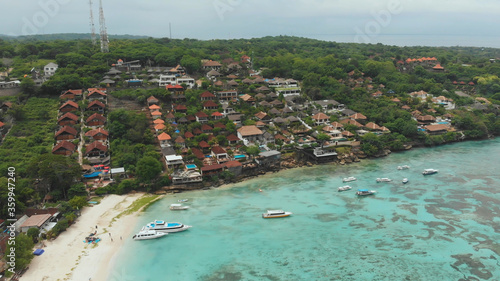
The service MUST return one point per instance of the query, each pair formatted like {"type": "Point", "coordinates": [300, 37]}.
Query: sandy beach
{"type": "Point", "coordinates": [69, 258]}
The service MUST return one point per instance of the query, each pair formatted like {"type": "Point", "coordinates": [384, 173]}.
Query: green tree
{"type": "Point", "coordinates": [28, 86]}
{"type": "Point", "coordinates": [33, 233]}
{"type": "Point", "coordinates": [56, 173]}
{"type": "Point", "coordinates": [148, 168]}
{"type": "Point", "coordinates": [253, 150]}
{"type": "Point", "coordinates": [78, 189]}
{"type": "Point", "coordinates": [322, 138]}
{"type": "Point", "coordinates": [78, 202]}
{"type": "Point", "coordinates": [23, 250]}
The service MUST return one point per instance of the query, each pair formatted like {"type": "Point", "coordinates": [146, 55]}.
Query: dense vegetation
{"type": "Point", "coordinates": [322, 67]}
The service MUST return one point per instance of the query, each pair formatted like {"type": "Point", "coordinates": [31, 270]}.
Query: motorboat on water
{"type": "Point", "coordinates": [429, 171]}
{"type": "Point", "coordinates": [405, 181]}
{"type": "Point", "coordinates": [162, 226]}
{"type": "Point", "coordinates": [146, 234]}
{"type": "Point", "coordinates": [365, 192]}
{"type": "Point", "coordinates": [344, 188]}
{"type": "Point", "coordinates": [384, 180]}
{"type": "Point", "coordinates": [348, 179]}
{"type": "Point", "coordinates": [178, 207]}
{"type": "Point", "coordinates": [404, 167]}
{"type": "Point", "coordinates": [275, 214]}
{"type": "Point", "coordinates": [182, 200]}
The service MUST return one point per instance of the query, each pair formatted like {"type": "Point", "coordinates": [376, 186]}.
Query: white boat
{"type": "Point", "coordinates": [178, 207]}
{"type": "Point", "coordinates": [182, 200]}
{"type": "Point", "coordinates": [344, 188]}
{"type": "Point", "coordinates": [429, 171]}
{"type": "Point", "coordinates": [162, 226]}
{"type": "Point", "coordinates": [365, 192]}
{"type": "Point", "coordinates": [384, 180]}
{"type": "Point", "coordinates": [405, 181]}
{"type": "Point", "coordinates": [146, 234]}
{"type": "Point", "coordinates": [275, 214]}
{"type": "Point", "coordinates": [348, 179]}
{"type": "Point", "coordinates": [404, 167]}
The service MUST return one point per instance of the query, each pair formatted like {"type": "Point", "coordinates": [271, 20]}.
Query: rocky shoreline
{"type": "Point", "coordinates": [290, 162]}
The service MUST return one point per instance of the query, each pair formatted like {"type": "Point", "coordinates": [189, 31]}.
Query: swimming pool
{"type": "Point", "coordinates": [240, 156]}
{"type": "Point", "coordinates": [191, 166]}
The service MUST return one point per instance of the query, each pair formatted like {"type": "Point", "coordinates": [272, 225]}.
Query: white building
{"type": "Point", "coordinates": [172, 160]}
{"type": "Point", "coordinates": [176, 80]}
{"type": "Point", "coordinates": [50, 69]}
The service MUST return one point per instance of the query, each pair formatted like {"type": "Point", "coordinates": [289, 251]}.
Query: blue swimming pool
{"type": "Point", "coordinates": [93, 175]}
{"type": "Point", "coordinates": [444, 123]}
{"type": "Point", "coordinates": [240, 156]}
{"type": "Point", "coordinates": [191, 166]}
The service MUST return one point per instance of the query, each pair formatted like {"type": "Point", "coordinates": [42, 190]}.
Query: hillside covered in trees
{"type": "Point", "coordinates": [325, 71]}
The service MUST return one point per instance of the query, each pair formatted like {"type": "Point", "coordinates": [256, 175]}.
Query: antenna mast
{"type": "Point", "coordinates": [104, 34]}
{"type": "Point", "coordinates": [92, 27]}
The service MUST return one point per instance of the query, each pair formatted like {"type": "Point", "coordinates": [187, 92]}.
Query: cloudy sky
{"type": "Point", "coordinates": [364, 21]}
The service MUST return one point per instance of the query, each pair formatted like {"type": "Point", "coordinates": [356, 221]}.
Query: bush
{"type": "Point", "coordinates": [60, 226]}
{"type": "Point", "coordinates": [33, 233]}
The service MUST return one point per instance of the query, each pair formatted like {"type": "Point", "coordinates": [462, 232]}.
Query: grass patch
{"type": "Point", "coordinates": [140, 204]}
{"type": "Point", "coordinates": [343, 149]}
{"type": "Point", "coordinates": [31, 136]}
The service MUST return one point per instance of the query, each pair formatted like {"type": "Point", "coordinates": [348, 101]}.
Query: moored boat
{"type": "Point", "coordinates": [365, 192]}
{"type": "Point", "coordinates": [275, 214]}
{"type": "Point", "coordinates": [344, 188]}
{"type": "Point", "coordinates": [404, 167]}
{"type": "Point", "coordinates": [405, 181]}
{"type": "Point", "coordinates": [162, 226]}
{"type": "Point", "coordinates": [384, 180]}
{"type": "Point", "coordinates": [429, 171]}
{"type": "Point", "coordinates": [146, 234]}
{"type": "Point", "coordinates": [178, 207]}
{"type": "Point", "coordinates": [182, 200]}
{"type": "Point", "coordinates": [348, 179]}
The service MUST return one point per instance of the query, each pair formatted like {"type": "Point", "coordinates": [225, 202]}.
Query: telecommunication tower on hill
{"type": "Point", "coordinates": [92, 27]}
{"type": "Point", "coordinates": [104, 34]}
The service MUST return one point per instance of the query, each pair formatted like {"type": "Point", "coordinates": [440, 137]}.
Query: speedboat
{"type": "Point", "coordinates": [182, 200]}
{"type": "Point", "coordinates": [348, 179]}
{"type": "Point", "coordinates": [178, 207]}
{"type": "Point", "coordinates": [384, 180]}
{"type": "Point", "coordinates": [344, 188]}
{"type": "Point", "coordinates": [365, 192]}
{"type": "Point", "coordinates": [146, 234]}
{"type": "Point", "coordinates": [275, 214]}
{"type": "Point", "coordinates": [429, 171]}
{"type": "Point", "coordinates": [405, 181]}
{"type": "Point", "coordinates": [404, 167]}
{"type": "Point", "coordinates": [162, 226]}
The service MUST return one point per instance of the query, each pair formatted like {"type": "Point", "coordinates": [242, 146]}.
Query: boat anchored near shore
{"type": "Point", "coordinates": [178, 207]}
{"type": "Point", "coordinates": [348, 179]}
{"type": "Point", "coordinates": [404, 167]}
{"type": "Point", "coordinates": [384, 180]}
{"type": "Point", "coordinates": [275, 214]}
{"type": "Point", "coordinates": [146, 234]}
{"type": "Point", "coordinates": [429, 171]}
{"type": "Point", "coordinates": [162, 226]}
{"type": "Point", "coordinates": [344, 188]}
{"type": "Point", "coordinates": [365, 192]}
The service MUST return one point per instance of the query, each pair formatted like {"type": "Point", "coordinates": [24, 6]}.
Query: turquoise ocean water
{"type": "Point", "coordinates": [444, 226]}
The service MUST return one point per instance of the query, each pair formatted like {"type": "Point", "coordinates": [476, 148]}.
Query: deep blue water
{"type": "Point", "coordinates": [444, 226]}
